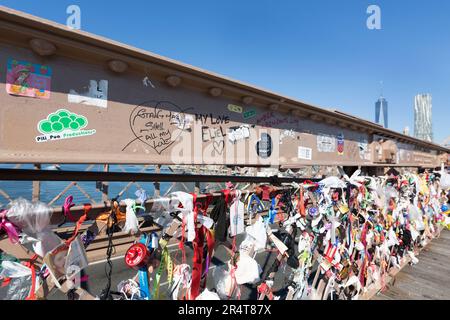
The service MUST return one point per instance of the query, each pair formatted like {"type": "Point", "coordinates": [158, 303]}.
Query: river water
{"type": "Point", "coordinates": [49, 190]}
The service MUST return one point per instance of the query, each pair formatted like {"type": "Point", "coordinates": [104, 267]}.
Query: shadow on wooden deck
{"type": "Point", "coordinates": [429, 279]}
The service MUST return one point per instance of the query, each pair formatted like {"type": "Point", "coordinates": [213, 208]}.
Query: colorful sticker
{"type": "Point", "coordinates": [249, 114]}
{"type": "Point", "coordinates": [28, 80]}
{"type": "Point", "coordinates": [304, 153]}
{"type": "Point", "coordinates": [340, 144]}
{"type": "Point", "coordinates": [63, 124]}
{"type": "Point", "coordinates": [235, 108]}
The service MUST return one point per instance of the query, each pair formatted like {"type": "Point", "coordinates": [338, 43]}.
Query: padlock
{"type": "Point", "coordinates": [137, 256]}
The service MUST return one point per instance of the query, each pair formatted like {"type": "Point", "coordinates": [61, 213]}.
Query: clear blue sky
{"type": "Point", "coordinates": [319, 51]}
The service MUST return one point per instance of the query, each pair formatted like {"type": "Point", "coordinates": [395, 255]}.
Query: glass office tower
{"type": "Point", "coordinates": [381, 105]}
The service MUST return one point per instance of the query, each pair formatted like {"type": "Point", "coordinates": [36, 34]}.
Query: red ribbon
{"type": "Point", "coordinates": [87, 208]}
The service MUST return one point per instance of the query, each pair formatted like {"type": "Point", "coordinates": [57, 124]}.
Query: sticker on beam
{"type": "Point", "coordinates": [61, 125]}
{"type": "Point", "coordinates": [340, 144]}
{"type": "Point", "coordinates": [326, 143]}
{"type": "Point", "coordinates": [235, 108]}
{"type": "Point", "coordinates": [236, 134]}
{"type": "Point", "coordinates": [304, 153]}
{"type": "Point", "coordinates": [96, 94]}
{"type": "Point", "coordinates": [249, 114]}
{"type": "Point", "coordinates": [264, 146]}
{"type": "Point", "coordinates": [28, 79]}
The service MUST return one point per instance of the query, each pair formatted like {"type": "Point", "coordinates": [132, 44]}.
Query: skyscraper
{"type": "Point", "coordinates": [381, 105]}
{"type": "Point", "coordinates": [423, 128]}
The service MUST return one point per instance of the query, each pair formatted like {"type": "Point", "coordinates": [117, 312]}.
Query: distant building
{"type": "Point", "coordinates": [423, 128]}
{"type": "Point", "coordinates": [446, 142]}
{"type": "Point", "coordinates": [381, 106]}
{"type": "Point", "coordinates": [406, 131]}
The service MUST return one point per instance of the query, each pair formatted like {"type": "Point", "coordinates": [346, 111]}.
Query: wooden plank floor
{"type": "Point", "coordinates": [427, 280]}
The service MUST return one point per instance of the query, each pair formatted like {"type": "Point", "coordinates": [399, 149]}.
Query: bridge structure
{"type": "Point", "coordinates": [71, 97]}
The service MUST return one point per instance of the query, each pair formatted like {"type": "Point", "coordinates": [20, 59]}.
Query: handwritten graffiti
{"type": "Point", "coordinates": [153, 124]}
{"type": "Point", "coordinates": [272, 119]}
{"type": "Point", "coordinates": [287, 133]}
{"type": "Point", "coordinates": [212, 130]}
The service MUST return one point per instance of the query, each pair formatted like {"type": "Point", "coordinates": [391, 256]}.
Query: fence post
{"type": "Point", "coordinates": [36, 191]}
{"type": "Point", "coordinates": [105, 185]}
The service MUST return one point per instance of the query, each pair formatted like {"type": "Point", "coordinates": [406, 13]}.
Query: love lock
{"type": "Point", "coordinates": [137, 256]}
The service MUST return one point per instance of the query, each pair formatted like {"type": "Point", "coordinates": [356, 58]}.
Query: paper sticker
{"type": "Point", "coordinates": [235, 108]}
{"type": "Point", "coordinates": [236, 134]}
{"type": "Point", "coordinates": [96, 94]}
{"type": "Point", "coordinates": [364, 149]}
{"type": "Point", "coordinates": [304, 153]}
{"type": "Point", "coordinates": [28, 80]}
{"type": "Point", "coordinates": [264, 146]}
{"type": "Point", "coordinates": [249, 114]}
{"type": "Point", "coordinates": [340, 144]}
{"type": "Point", "coordinates": [326, 143]}
{"type": "Point", "coordinates": [63, 124]}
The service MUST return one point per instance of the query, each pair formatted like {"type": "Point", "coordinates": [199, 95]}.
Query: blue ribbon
{"type": "Point", "coordinates": [143, 272]}
{"type": "Point", "coordinates": [272, 213]}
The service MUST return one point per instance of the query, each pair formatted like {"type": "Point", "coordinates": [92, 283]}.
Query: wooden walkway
{"type": "Point", "coordinates": [427, 280]}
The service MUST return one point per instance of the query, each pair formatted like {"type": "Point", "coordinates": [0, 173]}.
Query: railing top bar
{"type": "Point", "coordinates": [45, 175]}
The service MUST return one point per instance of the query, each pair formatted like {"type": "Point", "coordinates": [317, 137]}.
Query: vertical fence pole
{"type": "Point", "coordinates": [105, 185]}
{"type": "Point", "coordinates": [157, 185]}
{"type": "Point", "coordinates": [36, 191]}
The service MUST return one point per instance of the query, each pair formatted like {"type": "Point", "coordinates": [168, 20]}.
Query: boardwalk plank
{"type": "Point", "coordinates": [429, 279]}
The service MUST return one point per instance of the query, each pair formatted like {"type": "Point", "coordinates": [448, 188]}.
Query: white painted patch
{"type": "Point", "coordinates": [304, 153]}
{"type": "Point", "coordinates": [96, 95]}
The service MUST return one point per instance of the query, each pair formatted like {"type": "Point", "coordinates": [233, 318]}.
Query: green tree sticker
{"type": "Point", "coordinates": [62, 120]}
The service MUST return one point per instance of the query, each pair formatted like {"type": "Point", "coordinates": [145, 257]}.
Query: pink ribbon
{"type": "Point", "coordinates": [10, 229]}
{"type": "Point", "coordinates": [68, 203]}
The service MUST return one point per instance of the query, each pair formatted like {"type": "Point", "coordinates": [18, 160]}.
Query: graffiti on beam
{"type": "Point", "coordinates": [271, 119]}
{"type": "Point", "coordinates": [287, 134]}
{"type": "Point", "coordinates": [154, 124]}
{"type": "Point", "coordinates": [213, 129]}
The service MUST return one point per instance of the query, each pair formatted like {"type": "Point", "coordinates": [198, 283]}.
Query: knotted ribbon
{"type": "Point", "coordinates": [10, 229]}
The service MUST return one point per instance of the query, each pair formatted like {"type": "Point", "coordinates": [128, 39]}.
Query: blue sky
{"type": "Point", "coordinates": [319, 51]}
